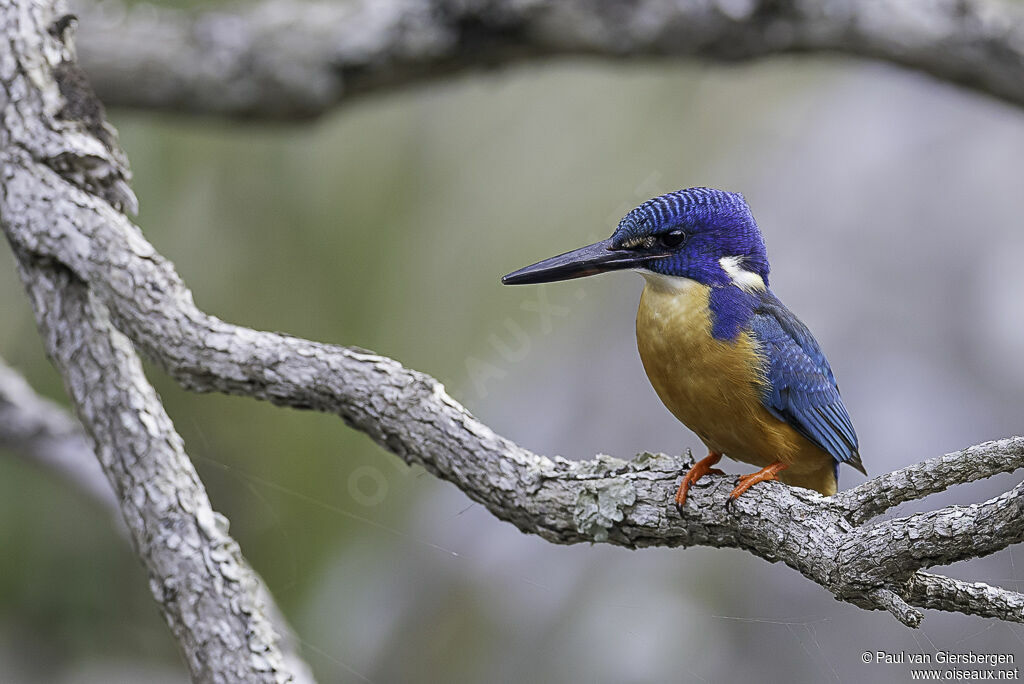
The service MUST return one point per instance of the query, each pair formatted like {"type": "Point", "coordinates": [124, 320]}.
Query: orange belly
{"type": "Point", "coordinates": [714, 386]}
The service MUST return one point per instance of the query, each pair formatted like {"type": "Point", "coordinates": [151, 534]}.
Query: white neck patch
{"type": "Point", "coordinates": [748, 281]}
{"type": "Point", "coordinates": [667, 283]}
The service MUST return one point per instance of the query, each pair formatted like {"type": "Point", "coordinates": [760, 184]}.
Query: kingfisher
{"type": "Point", "coordinates": [724, 354]}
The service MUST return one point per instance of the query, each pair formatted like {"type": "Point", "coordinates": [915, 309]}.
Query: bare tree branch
{"type": "Point", "coordinates": [201, 582]}
{"type": "Point", "coordinates": [284, 59]}
{"type": "Point", "coordinates": [878, 495]}
{"type": "Point", "coordinates": [72, 240]}
{"type": "Point", "coordinates": [974, 598]}
{"type": "Point", "coordinates": [45, 434]}
{"type": "Point", "coordinates": [953, 533]}
{"type": "Point", "coordinates": [206, 591]}
{"type": "Point", "coordinates": [891, 601]}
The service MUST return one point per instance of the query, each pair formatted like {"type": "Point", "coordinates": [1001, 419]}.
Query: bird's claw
{"type": "Point", "coordinates": [745, 482]}
{"type": "Point", "coordinates": [699, 470]}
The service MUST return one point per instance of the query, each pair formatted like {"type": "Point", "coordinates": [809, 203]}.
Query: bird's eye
{"type": "Point", "coordinates": [672, 239]}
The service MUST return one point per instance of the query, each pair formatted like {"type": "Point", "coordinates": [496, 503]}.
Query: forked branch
{"type": "Point", "coordinates": [90, 271]}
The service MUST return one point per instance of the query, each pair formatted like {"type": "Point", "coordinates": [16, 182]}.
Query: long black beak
{"type": "Point", "coordinates": [599, 257]}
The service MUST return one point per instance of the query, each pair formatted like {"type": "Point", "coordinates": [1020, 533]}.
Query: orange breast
{"type": "Point", "coordinates": [713, 386]}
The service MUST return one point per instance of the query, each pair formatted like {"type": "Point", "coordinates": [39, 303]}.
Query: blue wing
{"type": "Point", "coordinates": [801, 388]}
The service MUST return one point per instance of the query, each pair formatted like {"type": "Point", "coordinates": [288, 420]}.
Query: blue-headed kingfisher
{"type": "Point", "coordinates": [726, 357]}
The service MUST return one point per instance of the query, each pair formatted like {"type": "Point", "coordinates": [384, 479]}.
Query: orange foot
{"type": "Point", "coordinates": [700, 469]}
{"type": "Point", "coordinates": [765, 474]}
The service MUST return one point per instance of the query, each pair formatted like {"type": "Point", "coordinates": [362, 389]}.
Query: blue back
{"type": "Point", "coordinates": [801, 389]}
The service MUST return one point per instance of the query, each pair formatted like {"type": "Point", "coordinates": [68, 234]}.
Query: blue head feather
{"type": "Point", "coordinates": [716, 223]}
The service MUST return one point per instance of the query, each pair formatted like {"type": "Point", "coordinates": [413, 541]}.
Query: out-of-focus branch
{"type": "Point", "coordinates": [289, 59]}
{"type": "Point", "coordinates": [45, 434]}
{"type": "Point", "coordinates": [70, 235]}
{"type": "Point", "coordinates": [53, 129]}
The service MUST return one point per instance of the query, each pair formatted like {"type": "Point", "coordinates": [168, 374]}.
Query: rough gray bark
{"type": "Point", "coordinates": [53, 127]}
{"type": "Point", "coordinates": [206, 591]}
{"type": "Point", "coordinates": [929, 477]}
{"type": "Point", "coordinates": [45, 434]}
{"type": "Point", "coordinates": [284, 59]}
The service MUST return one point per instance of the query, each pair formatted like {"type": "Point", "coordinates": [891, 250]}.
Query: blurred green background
{"type": "Point", "coordinates": [891, 210]}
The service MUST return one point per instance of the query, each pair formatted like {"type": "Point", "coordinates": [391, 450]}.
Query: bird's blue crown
{"type": "Point", "coordinates": [714, 223]}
